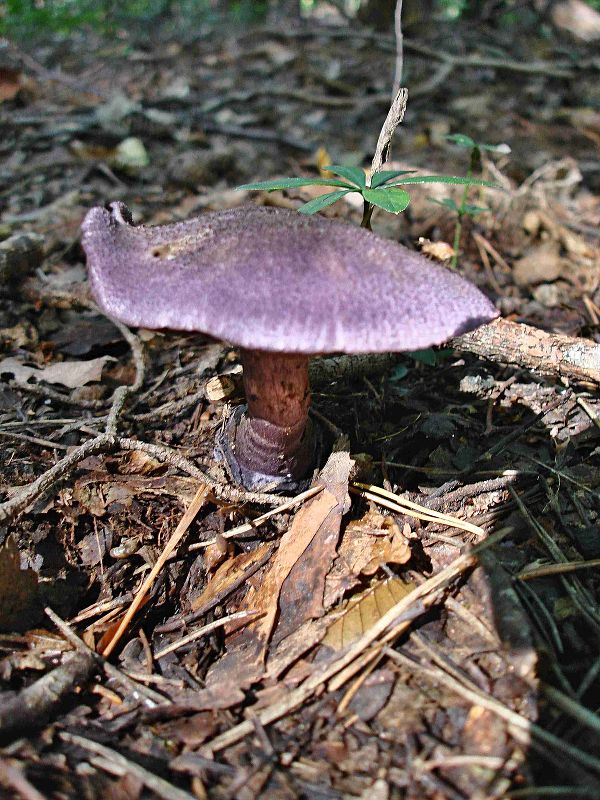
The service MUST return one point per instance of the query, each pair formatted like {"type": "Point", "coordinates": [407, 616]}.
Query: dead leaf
{"type": "Point", "coordinates": [368, 543]}
{"type": "Point", "coordinates": [227, 574]}
{"type": "Point", "coordinates": [540, 265]}
{"type": "Point", "coordinates": [90, 497]}
{"type": "Point", "coordinates": [304, 557]}
{"type": "Point", "coordinates": [19, 602]}
{"type": "Point", "coordinates": [440, 251]}
{"type": "Point", "coordinates": [364, 611]}
{"type": "Point", "coordinates": [71, 374]}
{"type": "Point", "coordinates": [10, 83]}
{"type": "Point", "coordinates": [94, 546]}
{"type": "Point", "coordinates": [140, 463]}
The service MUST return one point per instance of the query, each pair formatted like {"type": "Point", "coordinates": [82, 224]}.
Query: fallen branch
{"type": "Point", "coordinates": [34, 706]}
{"type": "Point", "coordinates": [551, 354]}
{"type": "Point", "coordinates": [106, 443]}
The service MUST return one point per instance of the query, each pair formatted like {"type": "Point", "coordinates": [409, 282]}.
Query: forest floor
{"type": "Point", "coordinates": [371, 649]}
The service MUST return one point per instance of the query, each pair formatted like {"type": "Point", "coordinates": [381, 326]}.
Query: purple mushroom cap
{"type": "Point", "coordinates": [274, 280]}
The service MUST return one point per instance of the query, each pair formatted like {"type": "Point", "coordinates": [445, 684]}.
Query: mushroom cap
{"type": "Point", "coordinates": [272, 279]}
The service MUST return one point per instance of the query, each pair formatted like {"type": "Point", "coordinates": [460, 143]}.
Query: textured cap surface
{"type": "Point", "coordinates": [273, 279]}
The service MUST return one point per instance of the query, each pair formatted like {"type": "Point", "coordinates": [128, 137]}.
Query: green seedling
{"type": "Point", "coordinates": [466, 209]}
{"type": "Point", "coordinates": [430, 357]}
{"type": "Point", "coordinates": [384, 190]}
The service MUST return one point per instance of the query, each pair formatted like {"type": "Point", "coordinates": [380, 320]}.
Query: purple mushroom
{"type": "Point", "coordinates": [282, 287]}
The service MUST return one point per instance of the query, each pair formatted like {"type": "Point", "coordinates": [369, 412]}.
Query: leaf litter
{"type": "Point", "coordinates": [264, 705]}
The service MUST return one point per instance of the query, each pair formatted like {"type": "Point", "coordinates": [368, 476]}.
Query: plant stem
{"type": "Point", "coordinates": [367, 214]}
{"type": "Point", "coordinates": [461, 209]}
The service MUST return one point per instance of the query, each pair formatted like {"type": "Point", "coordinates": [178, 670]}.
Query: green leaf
{"type": "Point", "coordinates": [447, 202]}
{"type": "Point", "coordinates": [291, 183]}
{"type": "Point", "coordinates": [385, 175]}
{"type": "Point", "coordinates": [447, 179]}
{"type": "Point", "coordinates": [472, 211]}
{"type": "Point", "coordinates": [392, 199]}
{"type": "Point", "coordinates": [399, 372]}
{"type": "Point", "coordinates": [354, 174]}
{"type": "Point", "coordinates": [427, 356]}
{"type": "Point", "coordinates": [462, 140]}
{"type": "Point", "coordinates": [323, 201]}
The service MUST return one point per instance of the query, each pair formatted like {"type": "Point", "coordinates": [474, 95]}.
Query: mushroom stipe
{"type": "Point", "coordinates": [282, 287]}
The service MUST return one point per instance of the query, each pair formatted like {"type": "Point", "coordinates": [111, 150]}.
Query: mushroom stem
{"type": "Point", "coordinates": [271, 443]}
{"type": "Point", "coordinates": [277, 388]}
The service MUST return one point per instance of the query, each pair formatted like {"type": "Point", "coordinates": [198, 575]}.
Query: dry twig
{"type": "Point", "coordinates": [179, 532]}
{"type": "Point", "coordinates": [120, 764]}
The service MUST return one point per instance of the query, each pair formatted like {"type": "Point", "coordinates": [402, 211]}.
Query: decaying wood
{"type": "Point", "coordinates": [19, 255]}
{"type": "Point", "coordinates": [34, 706]}
{"type": "Point", "coordinates": [519, 345]}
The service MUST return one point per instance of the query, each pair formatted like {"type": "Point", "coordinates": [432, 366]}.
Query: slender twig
{"type": "Point", "coordinates": [150, 696]}
{"type": "Point", "coordinates": [122, 392]}
{"type": "Point", "coordinates": [35, 705]}
{"type": "Point", "coordinates": [190, 514]}
{"type": "Point", "coordinates": [399, 65]}
{"type": "Point", "coordinates": [382, 150]}
{"type": "Point", "coordinates": [248, 527]}
{"type": "Point", "coordinates": [12, 777]}
{"type": "Point", "coordinates": [403, 506]}
{"type": "Point", "coordinates": [159, 786]}
{"type": "Point", "coordinates": [200, 632]}
{"type": "Point", "coordinates": [105, 443]}
{"type": "Point", "coordinates": [556, 569]}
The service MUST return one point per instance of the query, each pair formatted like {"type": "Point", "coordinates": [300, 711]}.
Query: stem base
{"type": "Point", "coordinates": [257, 453]}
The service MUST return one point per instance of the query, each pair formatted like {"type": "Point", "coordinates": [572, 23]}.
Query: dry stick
{"type": "Point", "coordinates": [394, 117]}
{"type": "Point", "coordinates": [589, 411]}
{"type": "Point", "coordinates": [403, 506]}
{"type": "Point", "coordinates": [382, 150]}
{"type": "Point", "coordinates": [499, 341]}
{"type": "Point", "coordinates": [248, 527]}
{"type": "Point", "coordinates": [198, 634]}
{"type": "Point", "coordinates": [159, 786]}
{"type": "Point", "coordinates": [105, 443]}
{"type": "Point", "coordinates": [102, 607]}
{"type": "Point", "coordinates": [217, 598]}
{"type": "Point", "coordinates": [50, 74]}
{"type": "Point", "coordinates": [387, 43]}
{"type": "Point", "coordinates": [421, 594]}
{"type": "Point", "coordinates": [35, 705]}
{"type": "Point", "coordinates": [12, 777]}
{"type": "Point", "coordinates": [551, 354]}
{"type": "Point", "coordinates": [399, 65]}
{"type": "Point", "coordinates": [21, 501]}
{"type": "Point", "coordinates": [190, 514]}
{"type": "Point", "coordinates": [122, 392]}
{"type": "Point", "coordinates": [112, 672]}
{"type": "Point", "coordinates": [555, 569]}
